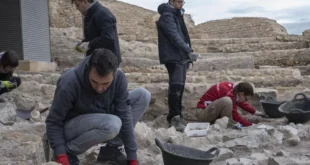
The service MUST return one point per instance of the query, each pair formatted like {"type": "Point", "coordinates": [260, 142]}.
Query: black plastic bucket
{"type": "Point", "coordinates": [271, 106]}
{"type": "Point", "coordinates": [297, 110]}
{"type": "Point", "coordinates": [180, 155]}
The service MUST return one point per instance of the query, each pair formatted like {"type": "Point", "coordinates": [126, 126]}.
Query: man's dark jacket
{"type": "Point", "coordinates": [173, 40]}
{"type": "Point", "coordinates": [100, 30]}
{"type": "Point", "coordinates": [74, 96]}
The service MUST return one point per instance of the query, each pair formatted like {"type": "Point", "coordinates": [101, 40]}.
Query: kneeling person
{"type": "Point", "coordinates": [222, 100]}
{"type": "Point", "coordinates": [8, 62]}
{"type": "Point", "coordinates": [91, 106]}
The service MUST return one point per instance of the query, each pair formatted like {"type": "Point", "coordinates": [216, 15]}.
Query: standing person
{"type": "Point", "coordinates": [8, 63]}
{"type": "Point", "coordinates": [100, 30]}
{"type": "Point", "coordinates": [92, 106]}
{"type": "Point", "coordinates": [175, 52]}
{"type": "Point", "coordinates": [222, 99]}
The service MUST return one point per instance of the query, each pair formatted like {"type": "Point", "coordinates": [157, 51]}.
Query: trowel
{"type": "Point", "coordinates": [26, 114]}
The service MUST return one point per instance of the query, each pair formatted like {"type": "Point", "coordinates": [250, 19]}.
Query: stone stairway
{"type": "Point", "coordinates": [237, 49]}
{"type": "Point", "coordinates": [283, 58]}
{"type": "Point", "coordinates": [192, 94]}
{"type": "Point", "coordinates": [267, 81]}
{"type": "Point", "coordinates": [213, 63]}
{"type": "Point", "coordinates": [232, 50]}
{"type": "Point", "coordinates": [156, 81]}
{"type": "Point", "coordinates": [259, 77]}
{"type": "Point", "coordinates": [235, 59]}
{"type": "Point", "coordinates": [251, 47]}
{"type": "Point", "coordinates": [222, 59]}
{"type": "Point", "coordinates": [225, 41]}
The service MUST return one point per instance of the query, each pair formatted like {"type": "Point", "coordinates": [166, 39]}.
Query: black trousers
{"type": "Point", "coordinates": [177, 77]}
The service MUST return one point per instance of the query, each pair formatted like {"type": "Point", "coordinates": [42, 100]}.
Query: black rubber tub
{"type": "Point", "coordinates": [180, 155]}
{"type": "Point", "coordinates": [296, 110]}
{"type": "Point", "coordinates": [271, 107]}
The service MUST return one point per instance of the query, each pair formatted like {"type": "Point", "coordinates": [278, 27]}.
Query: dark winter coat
{"type": "Point", "coordinates": [100, 30]}
{"type": "Point", "coordinates": [173, 40]}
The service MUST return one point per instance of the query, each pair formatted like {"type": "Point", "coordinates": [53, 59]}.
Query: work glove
{"type": "Point", "coordinates": [237, 126]}
{"type": "Point", "coordinates": [234, 125]}
{"type": "Point", "coordinates": [81, 47]}
{"type": "Point", "coordinates": [132, 162]}
{"type": "Point", "coordinates": [193, 56]}
{"type": "Point", "coordinates": [62, 159]}
{"type": "Point", "coordinates": [7, 84]}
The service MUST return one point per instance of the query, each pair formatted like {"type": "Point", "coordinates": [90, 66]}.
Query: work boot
{"type": "Point", "coordinates": [73, 159]}
{"type": "Point", "coordinates": [112, 155]}
{"type": "Point", "coordinates": [178, 123]}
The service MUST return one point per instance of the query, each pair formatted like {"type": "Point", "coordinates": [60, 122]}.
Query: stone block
{"type": "Point", "coordinates": [233, 161]}
{"type": "Point", "coordinates": [294, 141]}
{"type": "Point", "coordinates": [21, 147]}
{"type": "Point", "coordinates": [260, 158]}
{"type": "Point", "coordinates": [288, 131]}
{"type": "Point", "coordinates": [244, 27]}
{"type": "Point", "coordinates": [225, 154]}
{"type": "Point", "coordinates": [281, 161]}
{"type": "Point", "coordinates": [267, 46]}
{"type": "Point", "coordinates": [37, 66]}
{"type": "Point", "coordinates": [264, 93]}
{"type": "Point", "coordinates": [223, 63]}
{"type": "Point", "coordinates": [283, 58]}
{"type": "Point", "coordinates": [306, 34]}
{"type": "Point", "coordinates": [7, 112]}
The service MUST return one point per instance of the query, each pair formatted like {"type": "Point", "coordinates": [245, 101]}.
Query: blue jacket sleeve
{"type": "Point", "coordinates": [106, 26]}
{"type": "Point", "coordinates": [124, 113]}
{"type": "Point", "coordinates": [62, 103]}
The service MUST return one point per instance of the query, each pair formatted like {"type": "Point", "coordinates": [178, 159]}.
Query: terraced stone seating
{"type": "Point", "coordinates": [226, 55]}
{"type": "Point", "coordinates": [198, 82]}
{"type": "Point", "coordinates": [240, 49]}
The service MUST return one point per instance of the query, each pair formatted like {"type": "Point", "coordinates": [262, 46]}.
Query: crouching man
{"type": "Point", "coordinates": [8, 63]}
{"type": "Point", "coordinates": [91, 106]}
{"type": "Point", "coordinates": [222, 100]}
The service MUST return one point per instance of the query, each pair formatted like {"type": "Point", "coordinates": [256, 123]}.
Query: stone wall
{"type": "Point", "coordinates": [271, 141]}
{"type": "Point", "coordinates": [63, 14]}
{"type": "Point", "coordinates": [241, 27]}
{"type": "Point", "coordinates": [134, 24]}
{"type": "Point", "coordinates": [306, 34]}
{"type": "Point", "coordinates": [283, 58]}
{"type": "Point", "coordinates": [293, 38]}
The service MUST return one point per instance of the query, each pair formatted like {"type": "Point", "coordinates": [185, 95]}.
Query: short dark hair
{"type": "Point", "coordinates": [90, 1]}
{"type": "Point", "coordinates": [9, 58]}
{"type": "Point", "coordinates": [244, 87]}
{"type": "Point", "coordinates": [104, 61]}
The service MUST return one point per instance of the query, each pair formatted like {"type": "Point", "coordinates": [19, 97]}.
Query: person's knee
{"type": "Point", "coordinates": [110, 126]}
{"type": "Point", "coordinates": [145, 95]}
{"type": "Point", "coordinates": [226, 101]}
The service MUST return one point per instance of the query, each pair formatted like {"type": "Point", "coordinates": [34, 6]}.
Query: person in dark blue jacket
{"type": "Point", "coordinates": [100, 30]}
{"type": "Point", "coordinates": [92, 105]}
{"type": "Point", "coordinates": [176, 53]}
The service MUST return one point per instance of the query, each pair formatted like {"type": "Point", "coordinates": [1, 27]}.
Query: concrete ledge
{"type": "Point", "coordinates": [264, 93]}
{"type": "Point", "coordinates": [36, 66]}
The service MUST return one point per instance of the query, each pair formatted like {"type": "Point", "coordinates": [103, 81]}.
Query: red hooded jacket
{"type": "Point", "coordinates": [223, 89]}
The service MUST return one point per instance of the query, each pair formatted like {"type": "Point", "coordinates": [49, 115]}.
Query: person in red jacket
{"type": "Point", "coordinates": [222, 100]}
